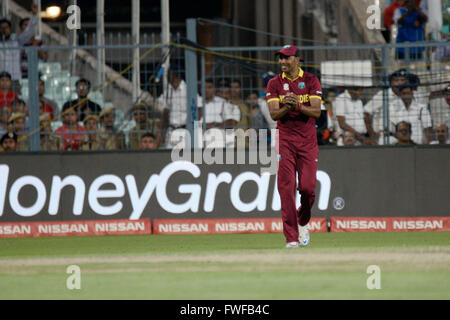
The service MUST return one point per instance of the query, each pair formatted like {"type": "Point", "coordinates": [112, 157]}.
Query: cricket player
{"type": "Point", "coordinates": [294, 99]}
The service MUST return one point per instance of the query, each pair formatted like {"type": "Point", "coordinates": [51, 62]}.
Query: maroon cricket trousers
{"type": "Point", "coordinates": [302, 160]}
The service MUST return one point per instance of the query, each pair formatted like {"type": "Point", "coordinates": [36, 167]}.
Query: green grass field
{"type": "Point", "coordinates": [414, 265]}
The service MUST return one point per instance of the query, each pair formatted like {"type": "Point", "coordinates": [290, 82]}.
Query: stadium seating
{"type": "Point", "coordinates": [60, 87]}
{"type": "Point", "coordinates": [49, 67]}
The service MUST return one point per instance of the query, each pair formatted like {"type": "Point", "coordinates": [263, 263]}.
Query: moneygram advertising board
{"type": "Point", "coordinates": [137, 192]}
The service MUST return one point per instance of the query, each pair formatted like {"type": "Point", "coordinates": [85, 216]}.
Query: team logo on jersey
{"type": "Point", "coordinates": [286, 87]}
{"type": "Point", "coordinates": [301, 85]}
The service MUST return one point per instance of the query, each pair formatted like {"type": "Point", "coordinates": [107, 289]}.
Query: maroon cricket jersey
{"type": "Point", "coordinates": [295, 125]}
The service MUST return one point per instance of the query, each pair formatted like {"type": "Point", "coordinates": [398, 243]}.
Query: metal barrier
{"type": "Point", "coordinates": [239, 76]}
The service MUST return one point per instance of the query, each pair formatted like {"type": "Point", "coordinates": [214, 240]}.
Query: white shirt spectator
{"type": "Point", "coordinates": [352, 110]}
{"type": "Point", "coordinates": [176, 102]}
{"type": "Point", "coordinates": [266, 113]}
{"type": "Point", "coordinates": [232, 112]}
{"type": "Point", "coordinates": [10, 59]}
{"type": "Point", "coordinates": [218, 110]}
{"type": "Point", "coordinates": [417, 115]}
{"type": "Point", "coordinates": [422, 95]}
{"type": "Point", "coordinates": [440, 111]}
{"type": "Point", "coordinates": [375, 108]}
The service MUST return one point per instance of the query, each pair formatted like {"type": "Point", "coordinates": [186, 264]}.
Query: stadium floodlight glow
{"type": "Point", "coordinates": [53, 12]}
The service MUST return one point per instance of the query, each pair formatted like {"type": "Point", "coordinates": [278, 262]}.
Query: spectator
{"type": "Point", "coordinates": [17, 124]}
{"type": "Point", "coordinates": [218, 114]}
{"type": "Point", "coordinates": [327, 125]}
{"type": "Point", "coordinates": [143, 124]}
{"type": "Point", "coordinates": [20, 106]}
{"type": "Point", "coordinates": [225, 92]}
{"type": "Point", "coordinates": [44, 109]}
{"type": "Point", "coordinates": [441, 135]}
{"type": "Point", "coordinates": [6, 94]}
{"type": "Point", "coordinates": [373, 110]}
{"type": "Point", "coordinates": [265, 111]}
{"type": "Point", "coordinates": [420, 94]}
{"type": "Point", "coordinates": [10, 59]}
{"type": "Point", "coordinates": [112, 138]}
{"type": "Point", "coordinates": [246, 117]}
{"type": "Point", "coordinates": [93, 141]}
{"type": "Point", "coordinates": [258, 121]}
{"type": "Point", "coordinates": [50, 105]}
{"type": "Point", "coordinates": [443, 52]}
{"type": "Point", "coordinates": [82, 105]}
{"type": "Point", "coordinates": [17, 120]}
{"type": "Point", "coordinates": [148, 142]}
{"type": "Point", "coordinates": [410, 21]}
{"type": "Point", "coordinates": [349, 139]}
{"type": "Point", "coordinates": [440, 106]}
{"type": "Point", "coordinates": [49, 142]}
{"type": "Point", "coordinates": [389, 18]}
{"type": "Point", "coordinates": [236, 99]}
{"type": "Point", "coordinates": [403, 134]}
{"type": "Point", "coordinates": [71, 131]}
{"type": "Point", "coordinates": [174, 102]}
{"type": "Point", "coordinates": [409, 110]}
{"type": "Point", "coordinates": [33, 41]}
{"type": "Point", "coordinates": [447, 101]}
{"type": "Point", "coordinates": [349, 111]}
{"type": "Point", "coordinates": [223, 89]}
{"type": "Point", "coordinates": [8, 142]}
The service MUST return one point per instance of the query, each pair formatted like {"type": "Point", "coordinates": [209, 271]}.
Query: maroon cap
{"type": "Point", "coordinates": [289, 50]}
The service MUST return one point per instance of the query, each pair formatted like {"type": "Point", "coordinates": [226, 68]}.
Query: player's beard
{"type": "Point", "coordinates": [288, 69]}
{"type": "Point", "coordinates": [285, 68]}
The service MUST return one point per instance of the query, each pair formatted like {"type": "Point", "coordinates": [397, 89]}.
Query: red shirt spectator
{"type": "Point", "coordinates": [73, 137]}
{"type": "Point", "coordinates": [45, 108]}
{"type": "Point", "coordinates": [48, 109]}
{"type": "Point", "coordinates": [6, 99]}
{"type": "Point", "coordinates": [6, 94]}
{"type": "Point", "coordinates": [72, 133]}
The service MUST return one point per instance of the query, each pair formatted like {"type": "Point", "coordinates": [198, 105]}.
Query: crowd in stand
{"type": "Point", "coordinates": [87, 126]}
{"type": "Point", "coordinates": [346, 119]}
{"type": "Point", "coordinates": [351, 122]}
{"type": "Point", "coordinates": [423, 115]}
{"type": "Point", "coordinates": [408, 18]}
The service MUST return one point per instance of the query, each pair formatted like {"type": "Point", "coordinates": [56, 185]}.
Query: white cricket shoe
{"type": "Point", "coordinates": [303, 235]}
{"type": "Point", "coordinates": [292, 245]}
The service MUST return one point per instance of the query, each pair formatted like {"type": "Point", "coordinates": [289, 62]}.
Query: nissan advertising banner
{"type": "Point", "coordinates": [355, 182]}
